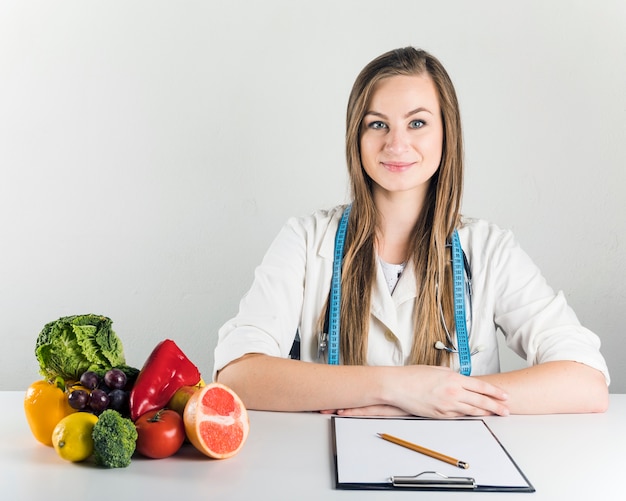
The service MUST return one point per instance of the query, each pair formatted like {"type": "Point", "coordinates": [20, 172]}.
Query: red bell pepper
{"type": "Point", "coordinates": [166, 370]}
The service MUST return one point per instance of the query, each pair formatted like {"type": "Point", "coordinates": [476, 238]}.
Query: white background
{"type": "Point", "coordinates": [151, 150]}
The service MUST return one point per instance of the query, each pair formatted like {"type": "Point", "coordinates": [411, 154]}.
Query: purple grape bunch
{"type": "Point", "coordinates": [100, 393]}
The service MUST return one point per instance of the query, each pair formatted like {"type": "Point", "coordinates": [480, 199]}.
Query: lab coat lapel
{"type": "Point", "coordinates": [326, 247]}
{"type": "Point", "coordinates": [385, 305]}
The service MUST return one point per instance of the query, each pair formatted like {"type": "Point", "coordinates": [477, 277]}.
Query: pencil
{"type": "Point", "coordinates": [425, 451]}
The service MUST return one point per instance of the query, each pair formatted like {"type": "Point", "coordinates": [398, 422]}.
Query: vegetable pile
{"type": "Point", "coordinates": [134, 411]}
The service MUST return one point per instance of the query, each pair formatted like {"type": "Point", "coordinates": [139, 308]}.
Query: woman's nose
{"type": "Point", "coordinates": [397, 141]}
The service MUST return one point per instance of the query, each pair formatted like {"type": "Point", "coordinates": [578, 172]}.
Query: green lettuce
{"type": "Point", "coordinates": [69, 346]}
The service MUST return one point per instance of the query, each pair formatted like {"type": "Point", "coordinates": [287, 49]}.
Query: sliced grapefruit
{"type": "Point", "coordinates": [216, 421]}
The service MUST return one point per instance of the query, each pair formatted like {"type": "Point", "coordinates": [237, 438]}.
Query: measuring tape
{"type": "Point", "coordinates": [465, 359]}
{"type": "Point", "coordinates": [335, 290]}
{"type": "Point", "coordinates": [459, 298]}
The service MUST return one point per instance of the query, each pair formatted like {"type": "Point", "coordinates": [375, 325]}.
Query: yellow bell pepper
{"type": "Point", "coordinates": [45, 404]}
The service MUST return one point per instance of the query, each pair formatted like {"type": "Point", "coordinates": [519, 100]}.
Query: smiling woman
{"type": "Point", "coordinates": [424, 343]}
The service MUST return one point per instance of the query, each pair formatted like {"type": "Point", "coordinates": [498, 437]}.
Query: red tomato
{"type": "Point", "coordinates": [160, 433]}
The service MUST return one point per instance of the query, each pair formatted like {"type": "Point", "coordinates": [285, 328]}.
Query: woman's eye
{"type": "Point", "coordinates": [416, 124]}
{"type": "Point", "coordinates": [377, 124]}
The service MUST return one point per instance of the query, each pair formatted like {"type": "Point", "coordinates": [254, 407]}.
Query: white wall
{"type": "Point", "coordinates": [150, 150]}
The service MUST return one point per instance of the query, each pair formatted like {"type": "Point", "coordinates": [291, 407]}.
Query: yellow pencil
{"type": "Point", "coordinates": [425, 451]}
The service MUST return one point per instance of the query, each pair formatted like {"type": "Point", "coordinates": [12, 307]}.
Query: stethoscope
{"type": "Point", "coordinates": [462, 286]}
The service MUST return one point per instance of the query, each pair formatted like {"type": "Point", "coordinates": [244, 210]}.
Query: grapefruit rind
{"type": "Point", "coordinates": [216, 421]}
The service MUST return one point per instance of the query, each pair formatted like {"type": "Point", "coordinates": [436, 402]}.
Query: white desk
{"type": "Point", "coordinates": [288, 457]}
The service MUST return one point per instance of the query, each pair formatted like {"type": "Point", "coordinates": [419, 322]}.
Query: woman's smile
{"type": "Point", "coordinates": [395, 166]}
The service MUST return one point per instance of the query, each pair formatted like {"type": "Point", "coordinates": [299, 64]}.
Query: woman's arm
{"type": "Point", "coordinates": [553, 387]}
{"type": "Point", "coordinates": [270, 383]}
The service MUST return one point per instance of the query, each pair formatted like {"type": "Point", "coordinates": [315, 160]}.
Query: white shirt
{"type": "Point", "coordinates": [392, 273]}
{"type": "Point", "coordinates": [292, 283]}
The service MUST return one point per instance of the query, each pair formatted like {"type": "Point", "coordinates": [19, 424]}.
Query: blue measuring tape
{"type": "Point", "coordinates": [335, 290]}
{"type": "Point", "coordinates": [462, 338]}
{"type": "Point", "coordinates": [458, 287]}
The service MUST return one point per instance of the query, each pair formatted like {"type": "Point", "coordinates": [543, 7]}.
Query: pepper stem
{"type": "Point", "coordinates": [60, 383]}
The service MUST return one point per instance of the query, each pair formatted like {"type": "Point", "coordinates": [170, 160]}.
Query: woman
{"type": "Point", "coordinates": [400, 327]}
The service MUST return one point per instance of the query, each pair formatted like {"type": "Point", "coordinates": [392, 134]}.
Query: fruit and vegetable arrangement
{"type": "Point", "coordinates": [91, 404]}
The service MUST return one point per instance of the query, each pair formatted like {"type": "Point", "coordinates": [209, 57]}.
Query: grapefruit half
{"type": "Point", "coordinates": [216, 421]}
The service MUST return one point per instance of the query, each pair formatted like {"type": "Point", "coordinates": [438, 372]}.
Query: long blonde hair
{"type": "Point", "coordinates": [440, 215]}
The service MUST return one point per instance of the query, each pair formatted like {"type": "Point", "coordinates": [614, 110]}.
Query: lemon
{"type": "Point", "coordinates": [71, 437]}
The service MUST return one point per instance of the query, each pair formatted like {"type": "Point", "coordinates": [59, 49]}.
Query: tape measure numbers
{"type": "Point", "coordinates": [462, 339]}
{"type": "Point", "coordinates": [335, 290]}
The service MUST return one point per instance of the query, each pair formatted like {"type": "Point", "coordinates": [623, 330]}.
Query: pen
{"type": "Point", "coordinates": [425, 451]}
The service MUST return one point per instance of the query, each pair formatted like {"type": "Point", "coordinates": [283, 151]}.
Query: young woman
{"type": "Point", "coordinates": [416, 280]}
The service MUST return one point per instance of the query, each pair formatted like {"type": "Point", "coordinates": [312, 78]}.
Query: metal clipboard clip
{"type": "Point", "coordinates": [433, 480]}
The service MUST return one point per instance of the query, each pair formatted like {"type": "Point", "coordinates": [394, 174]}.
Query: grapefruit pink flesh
{"type": "Point", "coordinates": [216, 421]}
{"type": "Point", "coordinates": [219, 438]}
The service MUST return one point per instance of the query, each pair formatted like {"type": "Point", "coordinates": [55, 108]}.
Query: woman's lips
{"type": "Point", "coordinates": [397, 166]}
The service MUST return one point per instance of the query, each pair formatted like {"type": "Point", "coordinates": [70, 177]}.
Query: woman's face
{"type": "Point", "coordinates": [402, 135]}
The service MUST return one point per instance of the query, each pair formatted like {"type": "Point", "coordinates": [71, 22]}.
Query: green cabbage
{"type": "Point", "coordinates": [72, 345]}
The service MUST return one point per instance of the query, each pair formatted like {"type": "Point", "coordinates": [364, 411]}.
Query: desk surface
{"type": "Point", "coordinates": [289, 456]}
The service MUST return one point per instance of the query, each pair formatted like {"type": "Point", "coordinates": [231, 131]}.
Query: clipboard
{"type": "Point", "coordinates": [364, 461]}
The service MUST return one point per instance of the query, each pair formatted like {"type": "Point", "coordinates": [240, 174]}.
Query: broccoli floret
{"type": "Point", "coordinates": [114, 439]}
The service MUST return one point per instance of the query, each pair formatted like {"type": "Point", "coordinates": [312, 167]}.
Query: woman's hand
{"type": "Point", "coordinates": [370, 410]}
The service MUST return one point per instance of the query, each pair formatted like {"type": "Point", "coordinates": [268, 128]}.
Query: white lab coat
{"type": "Point", "coordinates": [292, 284]}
